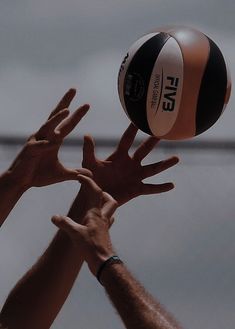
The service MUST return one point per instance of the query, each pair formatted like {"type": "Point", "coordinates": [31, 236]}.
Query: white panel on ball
{"type": "Point", "coordinates": [165, 89]}
{"type": "Point", "coordinates": [125, 64]}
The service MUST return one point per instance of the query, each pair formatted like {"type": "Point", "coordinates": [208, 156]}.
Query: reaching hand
{"type": "Point", "coordinates": [121, 175]}
{"type": "Point", "coordinates": [38, 164]}
{"type": "Point", "coordinates": [92, 238]}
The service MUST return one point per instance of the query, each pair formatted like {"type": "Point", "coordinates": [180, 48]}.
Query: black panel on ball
{"type": "Point", "coordinates": [137, 79]}
{"type": "Point", "coordinates": [212, 91]}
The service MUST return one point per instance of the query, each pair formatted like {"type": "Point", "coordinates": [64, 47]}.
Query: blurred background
{"type": "Point", "coordinates": [179, 244]}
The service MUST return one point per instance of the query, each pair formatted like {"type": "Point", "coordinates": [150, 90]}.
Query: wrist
{"type": "Point", "coordinates": [11, 180]}
{"type": "Point", "coordinates": [96, 261]}
{"type": "Point", "coordinates": [111, 261]}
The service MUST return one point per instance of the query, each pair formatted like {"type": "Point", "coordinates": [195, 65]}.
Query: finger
{"type": "Point", "coordinates": [88, 151]}
{"type": "Point", "coordinates": [64, 102]}
{"type": "Point", "coordinates": [127, 138]}
{"type": "Point", "coordinates": [93, 191]}
{"type": "Point", "coordinates": [155, 188]}
{"type": "Point", "coordinates": [71, 122]}
{"type": "Point", "coordinates": [145, 148]}
{"type": "Point", "coordinates": [89, 183]}
{"type": "Point", "coordinates": [66, 224]}
{"type": "Point", "coordinates": [47, 130]}
{"type": "Point", "coordinates": [109, 206]}
{"type": "Point", "coordinates": [84, 172]}
{"type": "Point", "coordinates": [156, 168]}
{"type": "Point", "coordinates": [72, 174]}
{"type": "Point", "coordinates": [111, 221]}
{"type": "Point", "coordinates": [66, 174]}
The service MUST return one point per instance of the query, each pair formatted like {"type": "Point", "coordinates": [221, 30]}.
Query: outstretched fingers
{"type": "Point", "coordinates": [47, 131]}
{"type": "Point", "coordinates": [146, 189]}
{"type": "Point", "coordinates": [145, 148]}
{"type": "Point", "coordinates": [64, 102]}
{"type": "Point", "coordinates": [88, 151]}
{"type": "Point", "coordinates": [127, 138]}
{"type": "Point", "coordinates": [156, 168]}
{"type": "Point", "coordinates": [71, 122]}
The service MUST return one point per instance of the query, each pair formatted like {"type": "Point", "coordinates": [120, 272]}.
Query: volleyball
{"type": "Point", "coordinates": [174, 83]}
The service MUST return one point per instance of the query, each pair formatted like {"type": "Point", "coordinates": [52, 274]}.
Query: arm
{"type": "Point", "coordinates": [126, 293]}
{"type": "Point", "coordinates": [39, 295]}
{"type": "Point", "coordinates": [37, 164]}
{"type": "Point", "coordinates": [120, 175]}
{"type": "Point", "coordinates": [10, 190]}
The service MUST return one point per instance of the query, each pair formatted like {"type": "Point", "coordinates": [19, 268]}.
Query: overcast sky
{"type": "Point", "coordinates": [187, 259]}
{"type": "Point", "coordinates": [48, 46]}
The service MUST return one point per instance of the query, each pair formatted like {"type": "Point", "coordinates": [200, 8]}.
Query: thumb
{"type": "Point", "coordinates": [88, 150]}
{"type": "Point", "coordinates": [66, 224]}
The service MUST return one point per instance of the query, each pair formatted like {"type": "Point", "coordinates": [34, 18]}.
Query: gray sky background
{"type": "Point", "coordinates": [180, 244]}
{"type": "Point", "coordinates": [48, 46]}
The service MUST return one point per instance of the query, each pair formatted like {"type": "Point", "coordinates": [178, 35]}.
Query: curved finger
{"type": "Point", "coordinates": [109, 206]}
{"type": "Point", "coordinates": [127, 138]}
{"type": "Point", "coordinates": [145, 148]}
{"type": "Point", "coordinates": [47, 130]}
{"type": "Point", "coordinates": [156, 168]}
{"type": "Point", "coordinates": [71, 122]}
{"type": "Point", "coordinates": [84, 172]}
{"type": "Point", "coordinates": [89, 182]}
{"type": "Point", "coordinates": [66, 174]}
{"type": "Point", "coordinates": [66, 224]}
{"type": "Point", "coordinates": [92, 190]}
{"type": "Point", "coordinates": [64, 102]}
{"type": "Point", "coordinates": [88, 151]}
{"type": "Point", "coordinates": [155, 188]}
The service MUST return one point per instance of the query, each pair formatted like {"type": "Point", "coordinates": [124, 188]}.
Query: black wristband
{"type": "Point", "coordinates": [111, 260]}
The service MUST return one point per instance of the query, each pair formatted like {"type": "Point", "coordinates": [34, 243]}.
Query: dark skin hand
{"type": "Point", "coordinates": [121, 174]}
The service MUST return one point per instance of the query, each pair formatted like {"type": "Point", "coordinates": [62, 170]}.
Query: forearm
{"type": "Point", "coordinates": [11, 189]}
{"type": "Point", "coordinates": [40, 294]}
{"type": "Point", "coordinates": [137, 308]}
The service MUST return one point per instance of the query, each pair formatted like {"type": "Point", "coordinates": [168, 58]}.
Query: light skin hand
{"type": "Point", "coordinates": [91, 238]}
{"type": "Point", "coordinates": [38, 163]}
{"type": "Point", "coordinates": [92, 241]}
{"type": "Point", "coordinates": [41, 283]}
{"type": "Point", "coordinates": [121, 174]}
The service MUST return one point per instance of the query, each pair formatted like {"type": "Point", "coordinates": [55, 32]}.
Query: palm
{"type": "Point", "coordinates": [48, 169]}
{"type": "Point", "coordinates": [121, 175]}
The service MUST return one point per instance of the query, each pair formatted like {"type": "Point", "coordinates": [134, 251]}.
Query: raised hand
{"type": "Point", "coordinates": [121, 174]}
{"type": "Point", "coordinates": [38, 164]}
{"type": "Point", "coordinates": [92, 237]}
